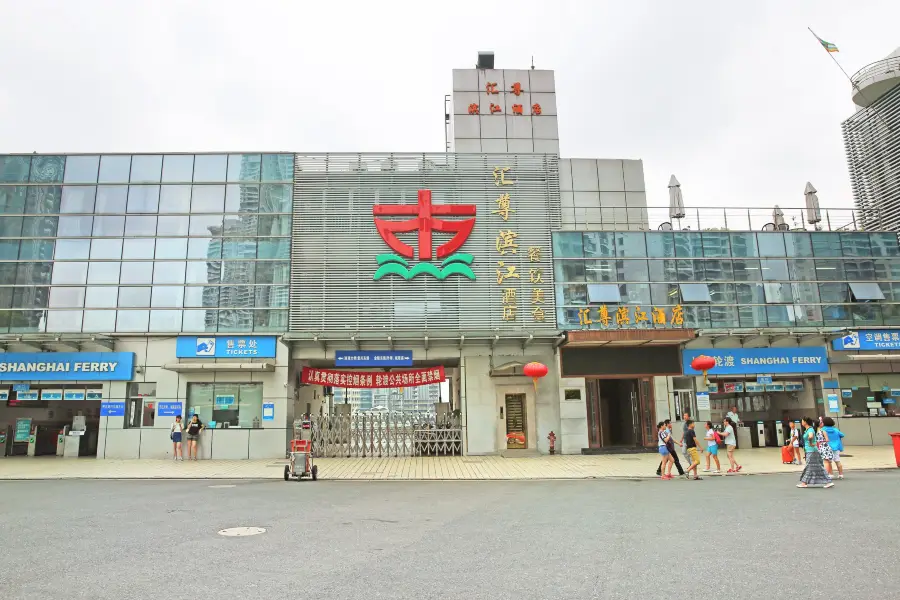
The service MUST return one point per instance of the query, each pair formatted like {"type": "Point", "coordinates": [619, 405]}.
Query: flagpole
{"type": "Point", "coordinates": [850, 79]}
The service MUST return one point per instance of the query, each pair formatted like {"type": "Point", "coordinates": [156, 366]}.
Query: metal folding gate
{"type": "Point", "coordinates": [383, 435]}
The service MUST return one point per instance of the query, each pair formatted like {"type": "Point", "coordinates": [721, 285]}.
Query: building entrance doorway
{"type": "Point", "coordinates": [516, 426]}
{"type": "Point", "coordinates": [620, 413]}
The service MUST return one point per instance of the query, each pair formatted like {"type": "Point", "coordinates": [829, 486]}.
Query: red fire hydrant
{"type": "Point", "coordinates": [552, 439]}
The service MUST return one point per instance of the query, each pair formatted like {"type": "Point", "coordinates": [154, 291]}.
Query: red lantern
{"type": "Point", "coordinates": [535, 370]}
{"type": "Point", "coordinates": [703, 363]}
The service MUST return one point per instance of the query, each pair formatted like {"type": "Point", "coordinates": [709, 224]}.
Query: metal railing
{"type": "Point", "coordinates": [885, 66]}
{"type": "Point", "coordinates": [385, 435]}
{"type": "Point", "coordinates": [721, 219]}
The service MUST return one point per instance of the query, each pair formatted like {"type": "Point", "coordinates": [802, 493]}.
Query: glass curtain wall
{"type": "Point", "coordinates": [145, 243]}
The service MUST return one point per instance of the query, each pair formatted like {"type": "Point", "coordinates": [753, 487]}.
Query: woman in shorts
{"type": "Point", "coordinates": [667, 460]}
{"type": "Point", "coordinates": [836, 443]}
{"type": "Point", "coordinates": [177, 429]}
{"type": "Point", "coordinates": [731, 444]}
{"type": "Point", "coordinates": [712, 447]}
{"type": "Point", "coordinates": [193, 436]}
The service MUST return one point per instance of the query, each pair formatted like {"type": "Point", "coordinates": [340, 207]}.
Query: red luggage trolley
{"type": "Point", "coordinates": [300, 458]}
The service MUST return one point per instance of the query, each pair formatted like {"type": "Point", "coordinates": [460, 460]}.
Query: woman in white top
{"type": "Point", "coordinates": [177, 430]}
{"type": "Point", "coordinates": [730, 444]}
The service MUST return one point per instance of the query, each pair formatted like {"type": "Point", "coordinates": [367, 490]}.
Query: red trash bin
{"type": "Point", "coordinates": [895, 437]}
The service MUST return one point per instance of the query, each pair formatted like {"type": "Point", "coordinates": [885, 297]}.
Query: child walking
{"type": "Point", "coordinates": [836, 444]}
{"type": "Point", "coordinates": [712, 447]}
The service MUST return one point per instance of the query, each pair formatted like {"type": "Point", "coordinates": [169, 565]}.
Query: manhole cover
{"type": "Point", "coordinates": [241, 531]}
{"type": "Point", "coordinates": [220, 486]}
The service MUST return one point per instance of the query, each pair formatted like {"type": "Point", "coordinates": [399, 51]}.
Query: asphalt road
{"type": "Point", "coordinates": [737, 537]}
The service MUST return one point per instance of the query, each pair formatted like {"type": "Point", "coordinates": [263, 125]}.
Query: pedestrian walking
{"type": "Point", "coordinates": [670, 446]}
{"type": "Point", "coordinates": [685, 417]}
{"type": "Point", "coordinates": [730, 444]}
{"type": "Point", "coordinates": [814, 471]}
{"type": "Point", "coordinates": [193, 436]}
{"type": "Point", "coordinates": [666, 464]}
{"type": "Point", "coordinates": [836, 442]}
{"type": "Point", "coordinates": [690, 443]}
{"type": "Point", "coordinates": [712, 447]}
{"type": "Point", "coordinates": [794, 441]}
{"type": "Point", "coordinates": [175, 435]}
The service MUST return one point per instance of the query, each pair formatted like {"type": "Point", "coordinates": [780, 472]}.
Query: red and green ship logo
{"type": "Point", "coordinates": [424, 219]}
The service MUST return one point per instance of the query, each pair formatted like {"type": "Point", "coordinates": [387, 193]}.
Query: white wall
{"type": "Point", "coordinates": [572, 435]}
{"type": "Point", "coordinates": [606, 194]}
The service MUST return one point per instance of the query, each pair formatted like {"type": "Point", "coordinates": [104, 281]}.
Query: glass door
{"type": "Point", "coordinates": [516, 437]}
{"type": "Point", "coordinates": [646, 416]}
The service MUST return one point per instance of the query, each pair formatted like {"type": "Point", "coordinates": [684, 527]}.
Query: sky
{"type": "Point", "coordinates": [737, 100]}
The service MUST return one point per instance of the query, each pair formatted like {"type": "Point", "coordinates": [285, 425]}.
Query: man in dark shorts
{"type": "Point", "coordinates": [691, 450]}
{"type": "Point", "coordinates": [671, 448]}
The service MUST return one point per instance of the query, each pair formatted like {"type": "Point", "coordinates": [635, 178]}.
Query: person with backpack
{"type": "Point", "coordinates": [664, 436]}
{"type": "Point", "coordinates": [713, 439]}
{"type": "Point", "coordinates": [836, 442]}
{"type": "Point", "coordinates": [671, 447]}
{"type": "Point", "coordinates": [814, 471]}
{"type": "Point", "coordinates": [731, 444]}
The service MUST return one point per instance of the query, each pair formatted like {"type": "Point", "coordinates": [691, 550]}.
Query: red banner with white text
{"type": "Point", "coordinates": [372, 379]}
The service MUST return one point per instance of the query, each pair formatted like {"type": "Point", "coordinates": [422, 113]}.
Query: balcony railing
{"type": "Point", "coordinates": [886, 66]}
{"type": "Point", "coordinates": [721, 219]}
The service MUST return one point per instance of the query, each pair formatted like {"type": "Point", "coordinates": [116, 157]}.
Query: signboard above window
{"type": "Point", "coordinates": [746, 361]}
{"type": "Point", "coordinates": [226, 346]}
{"type": "Point", "coordinates": [871, 339]}
{"type": "Point", "coordinates": [66, 366]}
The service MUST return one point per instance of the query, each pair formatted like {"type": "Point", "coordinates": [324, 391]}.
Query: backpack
{"type": "Point", "coordinates": [717, 437]}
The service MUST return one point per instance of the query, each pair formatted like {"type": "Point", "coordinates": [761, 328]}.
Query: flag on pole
{"type": "Point", "coordinates": [829, 47]}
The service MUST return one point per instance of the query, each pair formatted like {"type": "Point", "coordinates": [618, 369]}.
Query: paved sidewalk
{"type": "Point", "coordinates": [757, 461]}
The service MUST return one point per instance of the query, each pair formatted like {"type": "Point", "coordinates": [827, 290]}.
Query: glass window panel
{"type": "Point", "coordinates": [826, 243]}
{"type": "Point", "coordinates": [274, 225]}
{"type": "Point", "coordinates": [829, 270]}
{"type": "Point", "coordinates": [865, 291]}
{"type": "Point", "coordinates": [27, 320]}
{"type": "Point", "coordinates": [802, 270]}
{"type": "Point", "coordinates": [43, 226]}
{"type": "Point", "coordinates": [70, 273]}
{"type": "Point", "coordinates": [723, 316]}
{"type": "Point", "coordinates": [12, 198]}
{"type": "Point", "coordinates": [276, 198]}
{"type": "Point", "coordinates": [690, 270]}
{"type": "Point", "coordinates": [891, 314]}
{"type": "Point", "coordinates": [72, 249]}
{"type": "Point", "coordinates": [75, 226]}
{"type": "Point", "coordinates": [273, 272]}
{"type": "Point", "coordinates": [280, 248]}
{"type": "Point", "coordinates": [632, 270]}
{"type": "Point", "coordinates": [109, 226]}
{"type": "Point", "coordinates": [277, 167]}
{"type": "Point", "coordinates": [273, 295]}
{"type": "Point", "coordinates": [752, 316]}
{"type": "Point", "coordinates": [572, 293]}
{"type": "Point", "coordinates": [244, 167]}
{"type": "Point", "coordinates": [780, 316]}
{"type": "Point", "coordinates": [694, 292]}
{"type": "Point", "coordinates": [203, 272]}
{"type": "Point", "coordinates": [569, 270]}
{"type": "Point", "coordinates": [884, 244]}
{"type": "Point", "coordinates": [66, 297]}
{"type": "Point", "coordinates": [9, 250]}
{"type": "Point", "coordinates": [77, 199]}
{"type": "Point", "coordinates": [114, 169]}
{"type": "Point", "coordinates": [8, 272]}
{"type": "Point", "coordinates": [241, 225]}
{"type": "Point", "coordinates": [718, 270]}
{"type": "Point", "coordinates": [43, 199]}
{"type": "Point", "coordinates": [888, 291]}
{"type": "Point", "coordinates": [238, 271]}
{"type": "Point", "coordinates": [743, 245]}
{"type": "Point", "coordinates": [798, 244]}
{"type": "Point", "coordinates": [146, 168]}
{"type": "Point", "coordinates": [771, 244]}
{"type": "Point", "coordinates": [806, 293]}
{"type": "Point", "coordinates": [778, 293]}
{"type": "Point", "coordinates": [11, 227]}
{"type": "Point", "coordinates": [165, 320]}
{"type": "Point", "coordinates": [64, 320]}
{"type": "Point", "coordinates": [857, 270]}
{"type": "Point", "coordinates": [111, 199]}
{"type": "Point", "coordinates": [82, 169]}
{"type": "Point", "coordinates": [137, 249]}
{"type": "Point", "coordinates": [104, 272]}
{"type": "Point", "coordinates": [664, 293]}
{"type": "Point", "coordinates": [6, 295]}
{"type": "Point", "coordinates": [604, 293]}
{"type": "Point", "coordinates": [688, 243]}
{"type": "Point", "coordinates": [721, 293]}
{"type": "Point", "coordinates": [165, 296]}
{"type": "Point", "coordinates": [106, 249]}
{"type": "Point", "coordinates": [747, 270]}
{"type": "Point", "coordinates": [98, 321]}
{"type": "Point", "coordinates": [237, 248]}
{"type": "Point", "coordinates": [635, 293]}
{"type": "Point", "coordinates": [834, 292]}
{"type": "Point", "coordinates": [205, 224]}
{"type": "Point", "coordinates": [836, 314]}
{"type": "Point", "coordinates": [866, 314]}
{"type": "Point", "coordinates": [140, 225]}
{"type": "Point", "coordinates": [143, 199]}
{"type": "Point", "coordinates": [210, 167]}
{"type": "Point", "coordinates": [208, 199]}
{"type": "Point", "coordinates": [175, 199]}
{"type": "Point", "coordinates": [630, 244]}
{"type": "Point", "coordinates": [855, 244]}
{"type": "Point", "coordinates": [169, 272]}
{"type": "Point", "coordinates": [199, 320]}
{"type": "Point", "coordinates": [594, 270]}
{"type": "Point", "coordinates": [205, 248]}
{"type": "Point", "coordinates": [660, 244]}
{"type": "Point", "coordinates": [750, 293]}
{"type": "Point", "coordinates": [887, 269]}
{"type": "Point", "coordinates": [242, 198]}
{"type": "Point", "coordinates": [774, 270]}
{"type": "Point", "coordinates": [716, 244]}
{"type": "Point", "coordinates": [596, 244]}
{"type": "Point", "coordinates": [171, 248]}
{"type": "Point", "coordinates": [137, 272]}
{"type": "Point", "coordinates": [808, 315]}
{"type": "Point", "coordinates": [36, 250]}
{"type": "Point", "coordinates": [134, 297]}
{"type": "Point", "coordinates": [663, 270]}
{"type": "Point", "coordinates": [169, 225]}
{"type": "Point", "coordinates": [14, 169]}
{"type": "Point", "coordinates": [178, 168]}
{"type": "Point", "coordinates": [696, 316]}
{"type": "Point", "coordinates": [132, 320]}
{"type": "Point", "coordinates": [237, 296]}
{"type": "Point", "coordinates": [47, 169]}
{"type": "Point", "coordinates": [101, 297]}
{"type": "Point", "coordinates": [201, 296]}
{"type": "Point", "coordinates": [30, 297]}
